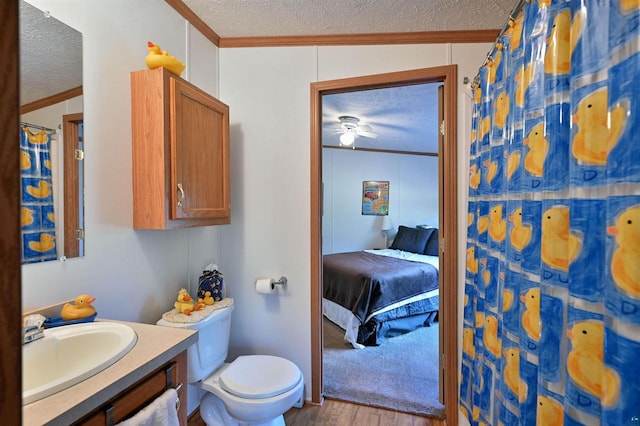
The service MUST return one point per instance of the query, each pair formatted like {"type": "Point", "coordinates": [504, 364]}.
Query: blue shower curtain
{"type": "Point", "coordinates": [37, 202]}
{"type": "Point", "coordinates": [551, 331]}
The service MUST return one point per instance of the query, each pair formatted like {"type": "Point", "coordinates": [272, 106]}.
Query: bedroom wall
{"type": "Point", "coordinates": [413, 196]}
{"type": "Point", "coordinates": [134, 275]}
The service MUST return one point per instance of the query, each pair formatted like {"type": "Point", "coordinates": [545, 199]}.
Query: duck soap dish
{"type": "Point", "coordinates": [79, 311]}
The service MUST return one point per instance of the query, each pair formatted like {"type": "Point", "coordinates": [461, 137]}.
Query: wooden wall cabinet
{"type": "Point", "coordinates": [133, 399]}
{"type": "Point", "coordinates": [180, 153]}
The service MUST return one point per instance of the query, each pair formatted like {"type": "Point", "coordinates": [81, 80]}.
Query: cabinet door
{"type": "Point", "coordinates": [199, 155]}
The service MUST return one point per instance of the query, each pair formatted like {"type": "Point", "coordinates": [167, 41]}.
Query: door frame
{"type": "Point", "coordinates": [448, 224]}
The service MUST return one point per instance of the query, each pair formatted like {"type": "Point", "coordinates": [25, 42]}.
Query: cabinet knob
{"type": "Point", "coordinates": [181, 195]}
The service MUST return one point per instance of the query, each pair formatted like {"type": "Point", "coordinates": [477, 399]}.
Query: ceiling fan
{"type": "Point", "coordinates": [351, 128]}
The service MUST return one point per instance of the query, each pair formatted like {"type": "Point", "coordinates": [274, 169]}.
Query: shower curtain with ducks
{"type": "Point", "coordinates": [37, 213]}
{"type": "Point", "coordinates": [551, 331]}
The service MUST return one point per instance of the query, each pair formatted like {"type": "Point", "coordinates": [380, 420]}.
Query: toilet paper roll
{"type": "Point", "coordinates": [265, 286]}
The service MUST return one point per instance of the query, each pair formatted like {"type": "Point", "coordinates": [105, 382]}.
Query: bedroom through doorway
{"type": "Point", "coordinates": [337, 173]}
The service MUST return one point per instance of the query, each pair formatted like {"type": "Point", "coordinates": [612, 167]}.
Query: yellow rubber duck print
{"type": "Point", "coordinates": [37, 138]}
{"type": "Point", "coordinates": [52, 217]}
{"type": "Point", "coordinates": [470, 218]}
{"type": "Point", "coordinates": [515, 29]}
{"type": "Point", "coordinates": [538, 148]}
{"type": "Point", "coordinates": [544, 3]}
{"type": "Point", "coordinates": [558, 246]}
{"type": "Point", "coordinates": [26, 216]}
{"type": "Point", "coordinates": [494, 63]}
{"type": "Point", "coordinates": [485, 126]}
{"type": "Point", "coordinates": [492, 170]}
{"type": "Point", "coordinates": [479, 319]}
{"type": "Point", "coordinates": [512, 373]}
{"type": "Point", "coordinates": [549, 412]}
{"type": "Point", "coordinates": [467, 342]}
{"type": "Point", "coordinates": [47, 164]}
{"type": "Point", "coordinates": [625, 268]}
{"type": "Point", "coordinates": [562, 42]}
{"type": "Point", "coordinates": [477, 95]}
{"type": "Point", "coordinates": [472, 139]}
{"type": "Point", "coordinates": [25, 160]}
{"type": "Point", "coordinates": [585, 362]}
{"type": "Point", "coordinates": [45, 244]}
{"type": "Point", "coordinates": [475, 176]}
{"type": "Point", "coordinates": [490, 337]}
{"type": "Point", "coordinates": [501, 106]}
{"type": "Point", "coordinates": [531, 315]}
{"type": "Point", "coordinates": [497, 225]}
{"type": "Point", "coordinates": [507, 299]}
{"type": "Point", "coordinates": [486, 274]}
{"type": "Point", "coordinates": [596, 136]}
{"type": "Point", "coordinates": [629, 5]}
{"type": "Point", "coordinates": [43, 190]}
{"type": "Point", "coordinates": [483, 224]}
{"type": "Point", "coordinates": [513, 162]}
{"type": "Point", "coordinates": [472, 262]}
{"type": "Point", "coordinates": [520, 233]}
{"type": "Point", "coordinates": [523, 79]}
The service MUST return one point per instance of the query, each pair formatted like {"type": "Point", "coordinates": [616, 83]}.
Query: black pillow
{"type": "Point", "coordinates": [413, 240]}
{"type": "Point", "coordinates": [431, 248]}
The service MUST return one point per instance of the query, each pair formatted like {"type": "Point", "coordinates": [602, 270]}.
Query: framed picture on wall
{"type": "Point", "coordinates": [375, 197]}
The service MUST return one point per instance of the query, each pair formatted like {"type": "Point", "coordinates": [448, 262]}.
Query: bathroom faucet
{"type": "Point", "coordinates": [31, 333]}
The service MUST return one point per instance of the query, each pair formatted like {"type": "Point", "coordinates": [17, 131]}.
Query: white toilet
{"type": "Point", "coordinates": [252, 390]}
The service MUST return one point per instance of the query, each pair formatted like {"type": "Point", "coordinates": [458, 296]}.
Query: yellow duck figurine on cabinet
{"type": "Point", "coordinates": [80, 309]}
{"type": "Point", "coordinates": [160, 58]}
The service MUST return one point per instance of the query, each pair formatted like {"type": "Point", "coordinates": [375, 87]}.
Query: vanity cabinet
{"type": "Point", "coordinates": [180, 153]}
{"type": "Point", "coordinates": [129, 402]}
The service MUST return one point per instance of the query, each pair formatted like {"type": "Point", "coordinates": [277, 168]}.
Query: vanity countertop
{"type": "Point", "coordinates": [155, 346]}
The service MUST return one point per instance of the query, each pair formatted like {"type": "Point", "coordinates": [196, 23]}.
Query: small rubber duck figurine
{"type": "Point", "coordinates": [207, 300]}
{"type": "Point", "coordinates": [185, 304]}
{"type": "Point", "coordinates": [157, 58]}
{"type": "Point", "coordinates": [80, 309]}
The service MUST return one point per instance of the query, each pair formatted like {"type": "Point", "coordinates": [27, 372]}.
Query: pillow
{"type": "Point", "coordinates": [413, 240]}
{"type": "Point", "coordinates": [431, 248]}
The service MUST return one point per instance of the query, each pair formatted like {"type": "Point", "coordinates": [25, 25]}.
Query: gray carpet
{"type": "Point", "coordinates": [401, 374]}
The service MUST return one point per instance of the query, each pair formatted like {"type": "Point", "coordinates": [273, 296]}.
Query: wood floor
{"type": "Point", "coordinates": [337, 413]}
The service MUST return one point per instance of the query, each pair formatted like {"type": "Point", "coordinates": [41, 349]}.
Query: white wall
{"type": "Point", "coordinates": [134, 275]}
{"type": "Point", "coordinates": [413, 196]}
{"type": "Point", "coordinates": [268, 93]}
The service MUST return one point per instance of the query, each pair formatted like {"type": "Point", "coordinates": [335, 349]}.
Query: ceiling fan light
{"type": "Point", "coordinates": [347, 138]}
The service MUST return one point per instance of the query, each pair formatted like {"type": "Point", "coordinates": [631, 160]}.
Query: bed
{"type": "Point", "coordinates": [377, 294]}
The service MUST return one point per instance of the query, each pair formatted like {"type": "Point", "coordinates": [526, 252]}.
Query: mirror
{"type": "Point", "coordinates": [51, 142]}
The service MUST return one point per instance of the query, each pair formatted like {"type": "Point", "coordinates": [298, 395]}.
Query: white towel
{"type": "Point", "coordinates": [161, 412]}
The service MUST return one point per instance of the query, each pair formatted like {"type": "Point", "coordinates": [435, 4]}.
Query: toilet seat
{"type": "Point", "coordinates": [259, 376]}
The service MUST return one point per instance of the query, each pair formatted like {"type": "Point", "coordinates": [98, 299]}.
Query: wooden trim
{"type": "Point", "coordinates": [194, 20]}
{"type": "Point", "coordinates": [51, 100]}
{"type": "Point", "coordinates": [447, 201]}
{"type": "Point", "coordinates": [425, 37]}
{"type": "Point", "coordinates": [10, 278]}
{"type": "Point", "coordinates": [71, 134]}
{"type": "Point", "coordinates": [386, 151]}
{"type": "Point", "coordinates": [422, 37]}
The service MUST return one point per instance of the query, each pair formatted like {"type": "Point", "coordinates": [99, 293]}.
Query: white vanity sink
{"type": "Point", "coordinates": [70, 354]}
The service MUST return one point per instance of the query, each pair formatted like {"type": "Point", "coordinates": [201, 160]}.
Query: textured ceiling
{"type": "Point", "coordinates": [50, 55]}
{"type": "Point", "coordinates": [245, 18]}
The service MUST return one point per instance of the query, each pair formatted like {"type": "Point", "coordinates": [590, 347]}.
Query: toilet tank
{"type": "Point", "coordinates": [210, 351]}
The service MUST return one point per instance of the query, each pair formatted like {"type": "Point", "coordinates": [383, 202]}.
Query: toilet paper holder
{"type": "Point", "coordinates": [282, 281]}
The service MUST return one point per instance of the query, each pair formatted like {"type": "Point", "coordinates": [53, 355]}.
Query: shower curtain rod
{"type": "Point", "coordinates": [35, 126]}
{"type": "Point", "coordinates": [512, 16]}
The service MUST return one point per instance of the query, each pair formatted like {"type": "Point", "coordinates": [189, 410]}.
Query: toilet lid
{"type": "Point", "coordinates": [259, 376]}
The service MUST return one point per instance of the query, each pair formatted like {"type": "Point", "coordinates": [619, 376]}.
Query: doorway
{"type": "Point", "coordinates": [447, 182]}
